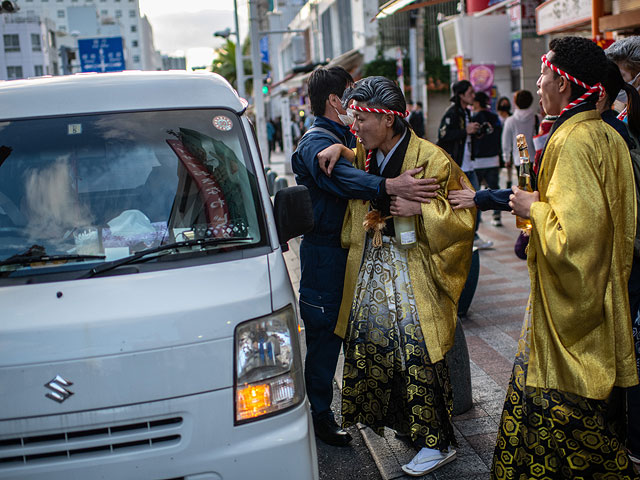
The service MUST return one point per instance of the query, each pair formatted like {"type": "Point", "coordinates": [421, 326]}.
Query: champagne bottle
{"type": "Point", "coordinates": [524, 178]}
{"type": "Point", "coordinates": [405, 228]}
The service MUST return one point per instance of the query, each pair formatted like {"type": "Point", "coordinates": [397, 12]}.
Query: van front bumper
{"type": "Point", "coordinates": [191, 437]}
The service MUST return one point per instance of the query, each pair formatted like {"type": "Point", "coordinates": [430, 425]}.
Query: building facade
{"type": "Point", "coordinates": [29, 47]}
{"type": "Point", "coordinates": [125, 13]}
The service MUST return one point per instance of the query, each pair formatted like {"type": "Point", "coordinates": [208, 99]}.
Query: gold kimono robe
{"type": "Point", "coordinates": [579, 260]}
{"type": "Point", "coordinates": [439, 265]}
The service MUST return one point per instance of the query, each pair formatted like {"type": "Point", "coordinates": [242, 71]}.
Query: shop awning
{"type": "Point", "coordinates": [394, 6]}
{"type": "Point", "coordinates": [620, 21]}
{"type": "Point", "coordinates": [350, 61]}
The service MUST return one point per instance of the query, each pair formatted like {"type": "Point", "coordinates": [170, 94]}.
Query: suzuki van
{"type": "Point", "coordinates": [148, 327]}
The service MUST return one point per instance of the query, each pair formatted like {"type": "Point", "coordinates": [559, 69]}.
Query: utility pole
{"type": "Point", "coordinates": [413, 56]}
{"type": "Point", "coordinates": [239, 62]}
{"type": "Point", "coordinates": [256, 64]}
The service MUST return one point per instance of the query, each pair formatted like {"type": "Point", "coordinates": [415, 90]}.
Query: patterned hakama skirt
{"type": "Point", "coordinates": [549, 434]}
{"type": "Point", "coordinates": [389, 380]}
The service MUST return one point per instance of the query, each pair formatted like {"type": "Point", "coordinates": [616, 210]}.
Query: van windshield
{"type": "Point", "coordinates": [98, 188]}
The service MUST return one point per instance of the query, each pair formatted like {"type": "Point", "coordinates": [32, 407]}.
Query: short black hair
{"type": "Point", "coordinates": [482, 98]}
{"type": "Point", "coordinates": [324, 81]}
{"type": "Point", "coordinates": [419, 104]}
{"type": "Point", "coordinates": [523, 99]}
{"type": "Point", "coordinates": [581, 58]}
{"type": "Point", "coordinates": [381, 92]}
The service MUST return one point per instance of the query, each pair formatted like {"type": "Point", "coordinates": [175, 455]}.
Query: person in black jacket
{"type": "Point", "coordinates": [416, 120]}
{"type": "Point", "coordinates": [456, 137]}
{"type": "Point", "coordinates": [456, 127]}
{"type": "Point", "coordinates": [487, 147]}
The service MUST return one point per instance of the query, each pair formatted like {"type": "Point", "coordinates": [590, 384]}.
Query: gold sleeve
{"type": "Point", "coordinates": [573, 234]}
{"type": "Point", "coordinates": [448, 233]}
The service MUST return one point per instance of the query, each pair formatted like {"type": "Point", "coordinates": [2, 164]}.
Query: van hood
{"type": "Point", "coordinates": [126, 339]}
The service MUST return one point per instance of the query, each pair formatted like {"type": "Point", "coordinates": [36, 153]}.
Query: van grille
{"type": "Point", "coordinates": [93, 442]}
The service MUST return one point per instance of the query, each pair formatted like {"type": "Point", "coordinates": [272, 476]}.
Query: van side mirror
{"type": "Point", "coordinates": [293, 213]}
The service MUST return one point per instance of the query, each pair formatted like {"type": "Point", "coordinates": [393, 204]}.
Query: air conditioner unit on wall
{"type": "Point", "coordinates": [483, 39]}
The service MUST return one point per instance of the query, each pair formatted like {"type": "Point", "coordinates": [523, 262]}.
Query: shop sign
{"type": "Point", "coordinates": [559, 15]}
{"type": "Point", "coordinates": [481, 77]}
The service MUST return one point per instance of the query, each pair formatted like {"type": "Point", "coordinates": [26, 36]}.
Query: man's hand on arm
{"type": "Point", "coordinates": [419, 190]}
{"type": "Point", "coordinates": [401, 207]}
{"type": "Point", "coordinates": [520, 202]}
{"type": "Point", "coordinates": [328, 157]}
{"type": "Point", "coordinates": [464, 198]}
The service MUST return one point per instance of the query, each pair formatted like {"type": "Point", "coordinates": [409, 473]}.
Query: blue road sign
{"type": "Point", "coordinates": [101, 54]}
{"type": "Point", "coordinates": [264, 49]}
{"type": "Point", "coordinates": [516, 52]}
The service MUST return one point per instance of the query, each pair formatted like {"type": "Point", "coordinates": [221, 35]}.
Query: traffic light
{"type": "Point", "coordinates": [8, 6]}
{"type": "Point", "coordinates": [266, 83]}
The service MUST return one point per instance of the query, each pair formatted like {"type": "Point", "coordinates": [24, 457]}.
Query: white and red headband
{"type": "Point", "coordinates": [590, 88]}
{"type": "Point", "coordinates": [379, 110]}
{"type": "Point", "coordinates": [367, 161]}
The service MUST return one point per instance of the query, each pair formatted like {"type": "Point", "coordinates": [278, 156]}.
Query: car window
{"type": "Point", "coordinates": [110, 185]}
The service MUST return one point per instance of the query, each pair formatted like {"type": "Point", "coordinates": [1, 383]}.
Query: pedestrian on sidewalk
{"type": "Point", "coordinates": [576, 342]}
{"type": "Point", "coordinates": [323, 260]}
{"type": "Point", "coordinates": [523, 121]}
{"type": "Point", "coordinates": [456, 137]}
{"type": "Point", "coordinates": [416, 120]}
{"type": "Point", "coordinates": [398, 312]}
{"type": "Point", "coordinates": [487, 147]}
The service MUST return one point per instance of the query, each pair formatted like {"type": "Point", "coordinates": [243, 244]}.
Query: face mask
{"type": "Point", "coordinates": [347, 120]}
{"type": "Point", "coordinates": [622, 95]}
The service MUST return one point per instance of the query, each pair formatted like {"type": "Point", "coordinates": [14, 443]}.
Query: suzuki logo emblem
{"type": "Point", "coordinates": [59, 392]}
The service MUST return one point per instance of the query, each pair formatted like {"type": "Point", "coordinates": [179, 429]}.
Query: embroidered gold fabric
{"type": "Point", "coordinates": [579, 260]}
{"type": "Point", "coordinates": [438, 265]}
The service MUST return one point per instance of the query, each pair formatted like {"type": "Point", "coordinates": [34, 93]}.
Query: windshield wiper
{"type": "Point", "coordinates": [29, 259]}
{"type": "Point", "coordinates": [161, 248]}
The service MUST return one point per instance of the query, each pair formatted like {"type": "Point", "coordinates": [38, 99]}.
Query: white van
{"type": "Point", "coordinates": [147, 320]}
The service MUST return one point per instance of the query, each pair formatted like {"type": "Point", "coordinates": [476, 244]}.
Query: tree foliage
{"type": "Point", "coordinates": [224, 63]}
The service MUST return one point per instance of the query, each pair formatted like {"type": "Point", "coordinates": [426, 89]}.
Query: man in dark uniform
{"type": "Point", "coordinates": [323, 260]}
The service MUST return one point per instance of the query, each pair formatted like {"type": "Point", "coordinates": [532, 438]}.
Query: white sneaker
{"type": "Point", "coordinates": [482, 244]}
{"type": "Point", "coordinates": [427, 460]}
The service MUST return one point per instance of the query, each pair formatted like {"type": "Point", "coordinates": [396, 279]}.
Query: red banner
{"type": "Point", "coordinates": [215, 206]}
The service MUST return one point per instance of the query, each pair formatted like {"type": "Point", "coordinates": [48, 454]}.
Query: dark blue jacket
{"type": "Point", "coordinates": [323, 260]}
{"type": "Point", "coordinates": [487, 145]}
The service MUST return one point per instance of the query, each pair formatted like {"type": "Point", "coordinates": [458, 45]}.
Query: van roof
{"type": "Point", "coordinates": [111, 92]}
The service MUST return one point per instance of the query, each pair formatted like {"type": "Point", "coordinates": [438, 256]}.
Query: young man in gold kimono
{"type": "Point", "coordinates": [398, 312]}
{"type": "Point", "coordinates": [576, 342]}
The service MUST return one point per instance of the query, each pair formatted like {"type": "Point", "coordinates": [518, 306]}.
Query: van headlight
{"type": "Point", "coordinates": [268, 366]}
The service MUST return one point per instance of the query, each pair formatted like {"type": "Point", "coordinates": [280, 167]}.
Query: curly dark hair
{"type": "Point", "coordinates": [583, 59]}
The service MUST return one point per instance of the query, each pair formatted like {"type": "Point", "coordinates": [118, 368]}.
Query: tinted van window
{"type": "Point", "coordinates": [110, 185]}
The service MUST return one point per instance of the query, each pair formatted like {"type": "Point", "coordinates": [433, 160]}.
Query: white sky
{"type": "Point", "coordinates": [186, 27]}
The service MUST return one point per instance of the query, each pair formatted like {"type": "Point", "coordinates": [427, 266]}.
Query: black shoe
{"type": "Point", "coordinates": [330, 433]}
